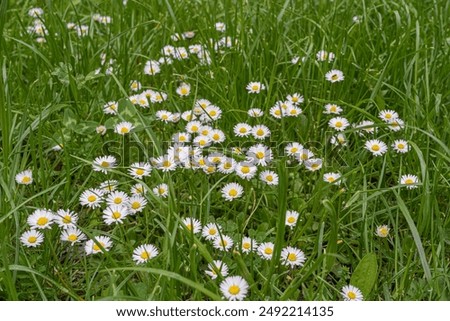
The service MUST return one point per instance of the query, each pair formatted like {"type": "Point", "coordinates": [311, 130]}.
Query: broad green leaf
{"type": "Point", "coordinates": [365, 274]}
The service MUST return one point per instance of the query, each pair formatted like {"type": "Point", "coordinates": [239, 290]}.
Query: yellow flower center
{"type": "Point", "coordinates": [294, 150]}
{"type": "Point", "coordinates": [268, 251]}
{"type": "Point", "coordinates": [144, 255]}
{"type": "Point", "coordinates": [42, 221]}
{"type": "Point", "coordinates": [118, 200]}
{"type": "Point", "coordinates": [210, 169]}
{"type": "Point", "coordinates": [255, 87]}
{"type": "Point", "coordinates": [164, 117]}
{"type": "Point", "coordinates": [400, 146]}
{"type": "Point", "coordinates": [26, 179]}
{"type": "Point", "coordinates": [67, 219]}
{"type": "Point", "coordinates": [330, 179]}
{"type": "Point", "coordinates": [223, 243]}
{"type": "Point", "coordinates": [292, 257]}
{"type": "Point", "coordinates": [338, 124]}
{"type": "Point", "coordinates": [184, 91]}
{"type": "Point", "coordinates": [161, 190]}
{"type": "Point", "coordinates": [95, 247]}
{"type": "Point", "coordinates": [293, 112]}
{"type": "Point", "coordinates": [245, 169]}
{"type": "Point", "coordinates": [189, 226]}
{"type": "Point", "coordinates": [383, 231]}
{"type": "Point", "coordinates": [227, 165]}
{"type": "Point", "coordinates": [294, 99]}
{"type": "Point", "coordinates": [104, 164]}
{"type": "Point", "coordinates": [139, 171]}
{"type": "Point", "coordinates": [202, 142]}
{"type": "Point", "coordinates": [351, 295]}
{"type": "Point", "coordinates": [92, 198]}
{"type": "Point", "coordinates": [216, 136]}
{"type": "Point", "coordinates": [269, 178]}
{"type": "Point", "coordinates": [334, 77]}
{"type": "Point", "coordinates": [246, 246]}
{"type": "Point", "coordinates": [124, 130]}
{"type": "Point", "coordinates": [333, 108]}
{"type": "Point", "coordinates": [212, 113]}
{"type": "Point", "coordinates": [234, 290]}
{"type": "Point", "coordinates": [277, 112]}
{"type": "Point", "coordinates": [242, 130]}
{"type": "Point", "coordinates": [233, 192]}
{"type": "Point", "coordinates": [314, 166]}
{"type": "Point", "coordinates": [116, 215]}
{"type": "Point", "coordinates": [304, 156]}
{"type": "Point", "coordinates": [212, 231]}
{"type": "Point", "coordinates": [409, 181]}
{"type": "Point", "coordinates": [388, 116]}
{"type": "Point", "coordinates": [260, 132]}
{"type": "Point", "coordinates": [375, 148]}
{"type": "Point", "coordinates": [135, 205]}
{"type": "Point", "coordinates": [291, 219]}
{"type": "Point", "coordinates": [167, 163]}
{"type": "Point", "coordinates": [32, 239]}
{"type": "Point", "coordinates": [260, 155]}
{"type": "Point", "coordinates": [72, 237]}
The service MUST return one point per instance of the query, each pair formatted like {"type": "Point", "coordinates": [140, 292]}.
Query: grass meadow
{"type": "Point", "coordinates": [233, 149]}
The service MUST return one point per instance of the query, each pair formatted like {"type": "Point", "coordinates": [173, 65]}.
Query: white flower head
{"type": "Point", "coordinates": [234, 288]}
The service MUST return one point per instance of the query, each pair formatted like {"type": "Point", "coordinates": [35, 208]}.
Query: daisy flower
{"type": "Point", "coordinates": [181, 137]}
{"type": "Point", "coordinates": [295, 98]}
{"type": "Point", "coordinates": [255, 87]}
{"type": "Point", "coordinates": [265, 250]}
{"type": "Point", "coordinates": [211, 113]}
{"type": "Point", "coordinates": [400, 146]}
{"type": "Point", "coordinates": [332, 109]}
{"type": "Point", "coordinates": [161, 190]}
{"type": "Point", "coordinates": [292, 256]}
{"type": "Point", "coordinates": [220, 26]}
{"type": "Point", "coordinates": [291, 218]}
{"type": "Point", "coordinates": [293, 111]}
{"type": "Point", "coordinates": [41, 219]}
{"type": "Point", "coordinates": [184, 89]}
{"type": "Point", "coordinates": [338, 139]}
{"type": "Point", "coordinates": [188, 115]}
{"type": "Point", "coordinates": [293, 148]}
{"type": "Point", "coordinates": [139, 170]}
{"type": "Point", "coordinates": [351, 293]}
{"type": "Point", "coordinates": [232, 191]}
{"type": "Point", "coordinates": [260, 131]}
{"type": "Point", "coordinates": [304, 155]}
{"type": "Point", "coordinates": [101, 130]}
{"type": "Point", "coordinates": [396, 124]}
{"type": "Point", "coordinates": [98, 245]}
{"type": "Point", "coordinates": [65, 218]}
{"type": "Point", "coordinates": [234, 288]}
{"type": "Point", "coordinates": [32, 238]}
{"type": "Point", "coordinates": [25, 177]}
{"type": "Point", "coordinates": [387, 115]}
{"type": "Point", "coordinates": [72, 235]}
{"type": "Point", "coordinates": [111, 107]}
{"type": "Point", "coordinates": [223, 242]}
{"type": "Point", "coordinates": [135, 85]}
{"type": "Point", "coordinates": [313, 164]}
{"type": "Point", "coordinates": [202, 141]}
{"type": "Point", "coordinates": [255, 112]}
{"type": "Point", "coordinates": [338, 123]}
{"type": "Point", "coordinates": [409, 180]}
{"type": "Point", "coordinates": [181, 53]}
{"type": "Point", "coordinates": [276, 112]}
{"type": "Point", "coordinates": [217, 268]}
{"type": "Point", "coordinates": [144, 253]}
{"type": "Point", "coordinates": [92, 198]}
{"type": "Point", "coordinates": [382, 231]}
{"type": "Point", "coordinates": [192, 224]}
{"type": "Point", "coordinates": [334, 75]}
{"type": "Point", "coordinates": [332, 178]}
{"type": "Point", "coordinates": [164, 116]}
{"type": "Point", "coordinates": [123, 128]}
{"type": "Point", "coordinates": [136, 203]}
{"type": "Point", "coordinates": [366, 126]}
{"type": "Point", "coordinates": [245, 170]}
{"type": "Point", "coordinates": [227, 165]}
{"type": "Point", "coordinates": [166, 163]}
{"type": "Point", "coordinates": [114, 214]}
{"type": "Point", "coordinates": [103, 163]}
{"type": "Point", "coordinates": [158, 97]}
{"type": "Point", "coordinates": [109, 186]}
{"type": "Point", "coordinates": [35, 12]}
{"type": "Point", "coordinates": [205, 130]}
{"type": "Point", "coordinates": [242, 129]}
{"type": "Point", "coordinates": [152, 67]}
{"type": "Point", "coordinates": [269, 177]}
{"type": "Point", "coordinates": [217, 136]}
{"type": "Point", "coordinates": [211, 231]}
{"type": "Point", "coordinates": [138, 189]}
{"type": "Point", "coordinates": [248, 245]}
{"type": "Point", "coordinates": [376, 147]}
{"type": "Point", "coordinates": [117, 198]}
{"type": "Point", "coordinates": [259, 155]}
